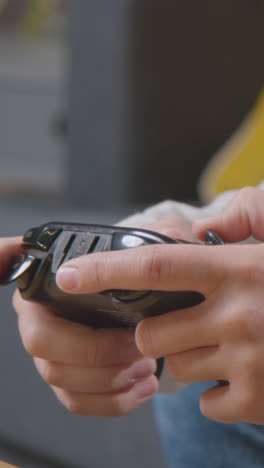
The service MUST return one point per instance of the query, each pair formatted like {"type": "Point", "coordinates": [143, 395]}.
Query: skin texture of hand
{"type": "Point", "coordinates": [221, 338]}
{"type": "Point", "coordinates": [92, 372]}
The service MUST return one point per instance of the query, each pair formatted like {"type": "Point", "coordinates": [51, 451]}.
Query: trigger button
{"type": "Point", "coordinates": [127, 295]}
{"type": "Point", "coordinates": [23, 271]}
{"type": "Point", "coordinates": [47, 237]}
{"type": "Point", "coordinates": [126, 241]}
{"type": "Point", "coordinates": [42, 238]}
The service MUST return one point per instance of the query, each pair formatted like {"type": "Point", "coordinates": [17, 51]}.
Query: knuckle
{"type": "Point", "coordinates": [176, 370]}
{"type": "Point", "coordinates": [75, 407]}
{"type": "Point", "coordinates": [75, 403]}
{"type": "Point", "coordinates": [244, 198]}
{"type": "Point", "coordinates": [245, 195]}
{"type": "Point", "coordinates": [98, 274]}
{"type": "Point", "coordinates": [179, 371]}
{"type": "Point", "coordinates": [246, 192]}
{"type": "Point", "coordinates": [72, 403]}
{"type": "Point", "coordinates": [32, 338]}
{"type": "Point", "coordinates": [49, 372]}
{"type": "Point", "coordinates": [151, 265]}
{"type": "Point", "coordinates": [237, 324]}
{"type": "Point", "coordinates": [213, 413]}
{"type": "Point", "coordinates": [247, 401]}
{"type": "Point", "coordinates": [119, 407]}
{"type": "Point", "coordinates": [118, 410]}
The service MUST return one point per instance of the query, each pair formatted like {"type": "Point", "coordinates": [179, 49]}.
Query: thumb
{"type": "Point", "coordinates": [241, 218]}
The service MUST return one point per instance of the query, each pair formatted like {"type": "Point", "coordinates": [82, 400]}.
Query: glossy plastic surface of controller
{"type": "Point", "coordinates": [50, 245]}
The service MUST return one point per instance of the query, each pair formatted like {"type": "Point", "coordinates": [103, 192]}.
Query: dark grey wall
{"type": "Point", "coordinates": [157, 86]}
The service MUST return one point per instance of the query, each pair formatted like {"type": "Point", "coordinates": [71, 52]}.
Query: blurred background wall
{"type": "Point", "coordinates": [157, 87]}
{"type": "Point", "coordinates": [122, 102]}
{"type": "Point", "coordinates": [33, 95]}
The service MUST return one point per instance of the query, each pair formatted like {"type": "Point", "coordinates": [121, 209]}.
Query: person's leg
{"type": "Point", "coordinates": [190, 440]}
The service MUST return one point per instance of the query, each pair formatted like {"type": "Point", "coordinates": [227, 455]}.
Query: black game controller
{"type": "Point", "coordinates": [50, 245]}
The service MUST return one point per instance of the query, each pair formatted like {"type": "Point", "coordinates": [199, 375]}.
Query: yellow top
{"type": "Point", "coordinates": [240, 161]}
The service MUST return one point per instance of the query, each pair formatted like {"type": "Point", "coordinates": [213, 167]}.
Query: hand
{"type": "Point", "coordinates": [92, 372]}
{"type": "Point", "coordinates": [222, 338]}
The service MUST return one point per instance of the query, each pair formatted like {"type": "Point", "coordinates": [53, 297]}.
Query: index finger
{"type": "Point", "coordinates": [157, 267]}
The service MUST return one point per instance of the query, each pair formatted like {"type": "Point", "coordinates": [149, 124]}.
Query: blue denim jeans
{"type": "Point", "coordinates": [192, 441]}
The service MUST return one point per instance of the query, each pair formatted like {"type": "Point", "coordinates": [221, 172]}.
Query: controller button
{"type": "Point", "coordinates": [126, 241]}
{"type": "Point", "coordinates": [47, 237]}
{"type": "Point", "coordinates": [125, 295]}
{"type": "Point", "coordinates": [22, 271]}
{"type": "Point", "coordinates": [42, 238]}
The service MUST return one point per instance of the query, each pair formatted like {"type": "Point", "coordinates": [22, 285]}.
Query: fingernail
{"type": "Point", "coordinates": [146, 389]}
{"type": "Point", "coordinates": [67, 278]}
{"type": "Point", "coordinates": [142, 369]}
